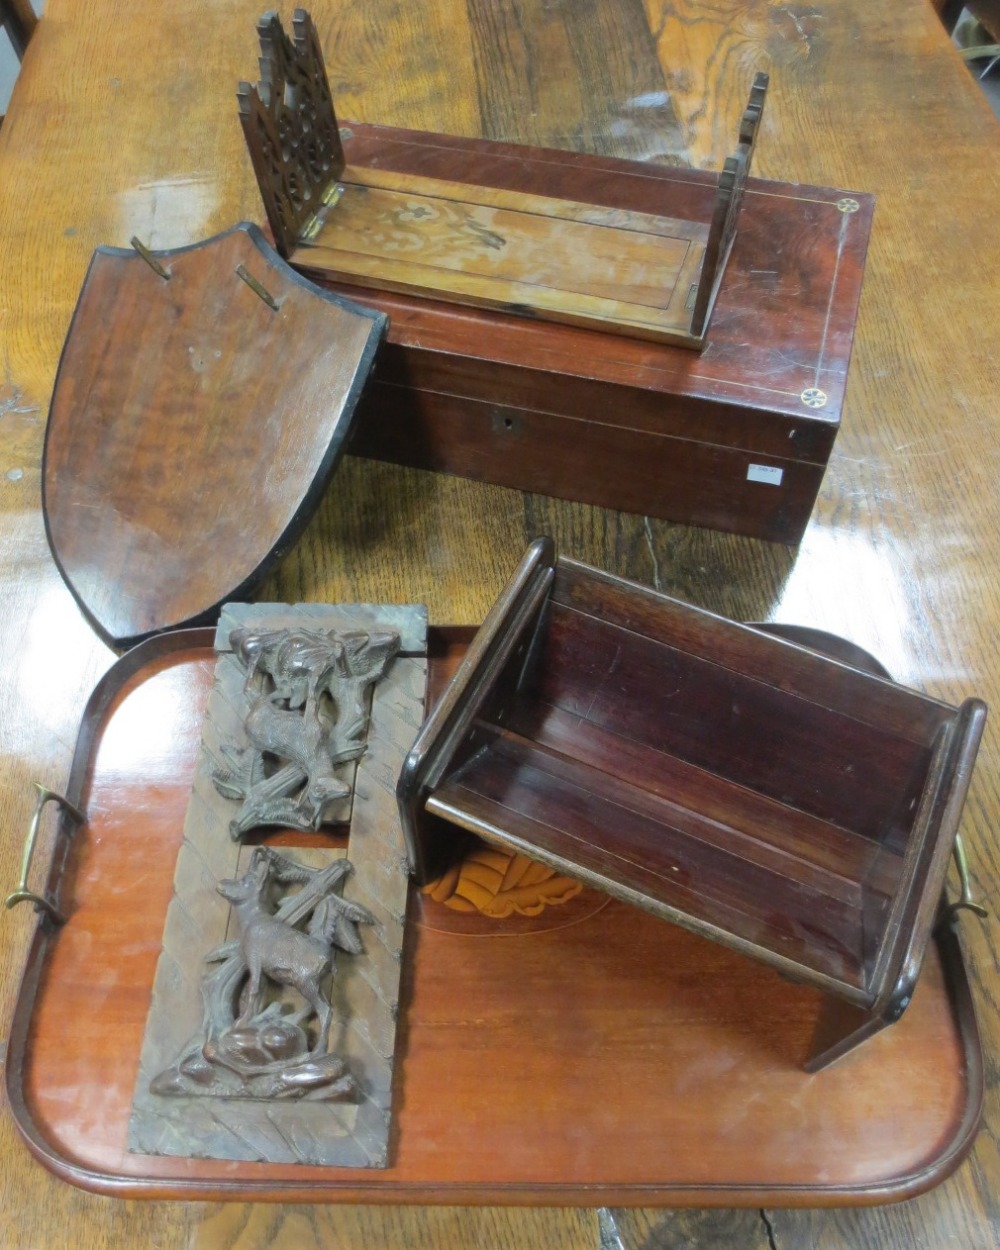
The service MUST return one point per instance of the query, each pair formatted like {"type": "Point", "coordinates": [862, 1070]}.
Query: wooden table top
{"type": "Point", "coordinates": [124, 122]}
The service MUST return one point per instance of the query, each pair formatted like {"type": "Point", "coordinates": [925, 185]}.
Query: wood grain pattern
{"type": "Point", "coordinates": [627, 272]}
{"type": "Point", "coordinates": [186, 404]}
{"type": "Point", "coordinates": [902, 550]}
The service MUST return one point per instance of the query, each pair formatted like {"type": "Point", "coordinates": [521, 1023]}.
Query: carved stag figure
{"type": "Point", "coordinates": [263, 1051]}
{"type": "Point", "coordinates": [271, 947]}
{"type": "Point", "coordinates": [308, 719]}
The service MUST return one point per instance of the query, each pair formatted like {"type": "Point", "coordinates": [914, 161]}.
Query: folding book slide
{"type": "Point", "coordinates": [645, 275]}
{"type": "Point", "coordinates": [749, 789]}
{"type": "Point", "coordinates": [544, 305]}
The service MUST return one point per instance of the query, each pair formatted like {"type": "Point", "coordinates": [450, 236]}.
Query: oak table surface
{"type": "Point", "coordinates": [123, 122]}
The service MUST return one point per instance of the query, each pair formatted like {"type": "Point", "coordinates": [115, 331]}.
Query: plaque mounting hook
{"type": "Point", "coordinates": [149, 258]}
{"type": "Point", "coordinates": [243, 272]}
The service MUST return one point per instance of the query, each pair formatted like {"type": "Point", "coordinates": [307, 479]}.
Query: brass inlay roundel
{"type": "Point", "coordinates": [847, 205]}
{"type": "Point", "coordinates": [813, 397]}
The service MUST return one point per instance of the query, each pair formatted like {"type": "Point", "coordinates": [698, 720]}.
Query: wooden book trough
{"type": "Point", "coordinates": [751, 790]}
{"type": "Point", "coordinates": [544, 305]}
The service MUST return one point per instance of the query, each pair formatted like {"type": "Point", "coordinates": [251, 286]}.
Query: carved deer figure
{"type": "Point", "coordinates": [312, 721]}
{"type": "Point", "coordinates": [271, 946]}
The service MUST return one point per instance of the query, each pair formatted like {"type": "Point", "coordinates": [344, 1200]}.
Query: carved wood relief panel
{"type": "Point", "coordinates": [271, 1032]}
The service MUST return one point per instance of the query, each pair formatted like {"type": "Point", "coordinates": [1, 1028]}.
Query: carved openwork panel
{"type": "Point", "coordinates": [305, 720]}
{"type": "Point", "coordinates": [290, 127]}
{"type": "Point", "coordinates": [271, 1032]}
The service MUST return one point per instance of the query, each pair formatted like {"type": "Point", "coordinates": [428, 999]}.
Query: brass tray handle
{"type": "Point", "coordinates": [965, 901]}
{"type": "Point", "coordinates": [22, 894]}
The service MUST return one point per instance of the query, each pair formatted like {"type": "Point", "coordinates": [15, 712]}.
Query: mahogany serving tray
{"type": "Point", "coordinates": [590, 1055]}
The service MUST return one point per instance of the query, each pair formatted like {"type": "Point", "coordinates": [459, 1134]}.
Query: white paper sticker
{"type": "Point", "coordinates": [765, 473]}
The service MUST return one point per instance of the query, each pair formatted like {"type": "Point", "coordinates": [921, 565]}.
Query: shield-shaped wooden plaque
{"type": "Point", "coordinates": [202, 402]}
